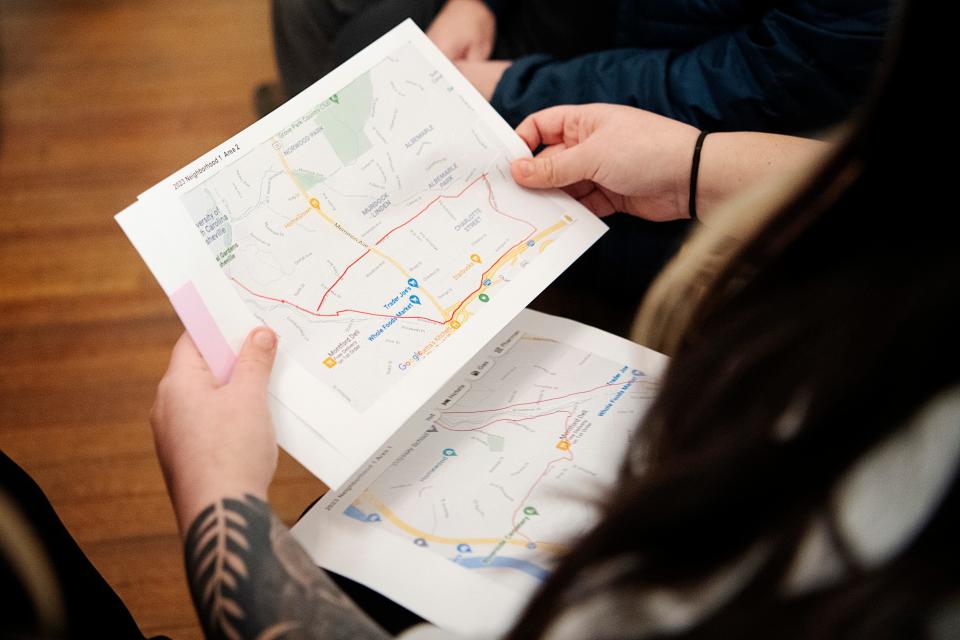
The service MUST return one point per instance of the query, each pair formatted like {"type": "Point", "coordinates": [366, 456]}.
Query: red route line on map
{"type": "Point", "coordinates": [542, 415]}
{"type": "Point", "coordinates": [563, 436]}
{"type": "Point", "coordinates": [483, 276]}
{"type": "Point", "coordinates": [546, 470]}
{"type": "Point", "coordinates": [340, 277]}
{"type": "Point", "coordinates": [482, 176]}
{"type": "Point", "coordinates": [330, 315]}
{"type": "Point", "coordinates": [384, 237]}
{"type": "Point", "coordinates": [520, 404]}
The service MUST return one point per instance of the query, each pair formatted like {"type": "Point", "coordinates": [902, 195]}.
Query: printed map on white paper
{"type": "Point", "coordinates": [500, 486]}
{"type": "Point", "coordinates": [372, 222]}
{"type": "Point", "coordinates": [372, 226]}
{"type": "Point", "coordinates": [495, 478]}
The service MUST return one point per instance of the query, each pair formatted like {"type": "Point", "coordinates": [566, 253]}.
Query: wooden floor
{"type": "Point", "coordinates": [98, 100]}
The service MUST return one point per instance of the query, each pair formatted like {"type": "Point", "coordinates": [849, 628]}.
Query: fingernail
{"type": "Point", "coordinates": [525, 167]}
{"type": "Point", "coordinates": [264, 338]}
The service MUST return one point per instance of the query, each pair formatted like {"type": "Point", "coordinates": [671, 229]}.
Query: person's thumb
{"type": "Point", "coordinates": [556, 170]}
{"type": "Point", "coordinates": [253, 366]}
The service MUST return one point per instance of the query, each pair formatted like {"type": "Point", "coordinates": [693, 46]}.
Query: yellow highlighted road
{"type": "Point", "coordinates": [315, 205]}
{"type": "Point", "coordinates": [457, 313]}
{"type": "Point", "coordinates": [389, 515]}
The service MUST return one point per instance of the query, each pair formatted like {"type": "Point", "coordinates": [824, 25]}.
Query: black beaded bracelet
{"type": "Point", "coordinates": [694, 171]}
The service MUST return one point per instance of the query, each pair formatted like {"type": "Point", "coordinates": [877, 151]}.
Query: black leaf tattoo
{"type": "Point", "coordinates": [249, 578]}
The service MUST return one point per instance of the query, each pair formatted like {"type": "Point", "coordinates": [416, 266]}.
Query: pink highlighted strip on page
{"type": "Point", "coordinates": [203, 329]}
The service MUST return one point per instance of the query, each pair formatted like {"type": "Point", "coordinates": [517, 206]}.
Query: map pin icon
{"type": "Point", "coordinates": [530, 511]}
{"type": "Point", "coordinates": [415, 299]}
{"type": "Point", "coordinates": [449, 452]}
{"type": "Point", "coordinates": [413, 283]}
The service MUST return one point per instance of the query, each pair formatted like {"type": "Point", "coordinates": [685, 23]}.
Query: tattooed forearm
{"type": "Point", "coordinates": [250, 579]}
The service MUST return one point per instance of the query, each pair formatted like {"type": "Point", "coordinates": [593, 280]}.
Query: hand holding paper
{"type": "Point", "coordinates": [215, 439]}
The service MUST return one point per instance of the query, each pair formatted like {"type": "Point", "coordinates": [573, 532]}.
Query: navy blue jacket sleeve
{"type": "Point", "coordinates": [790, 72]}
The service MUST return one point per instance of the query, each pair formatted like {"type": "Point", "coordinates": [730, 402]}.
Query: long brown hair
{"type": "Point", "coordinates": [843, 312]}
